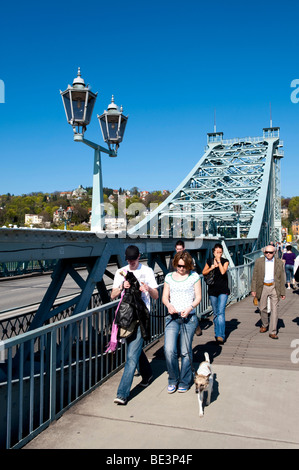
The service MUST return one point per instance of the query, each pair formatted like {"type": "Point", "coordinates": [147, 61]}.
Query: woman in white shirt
{"type": "Point", "coordinates": [181, 294]}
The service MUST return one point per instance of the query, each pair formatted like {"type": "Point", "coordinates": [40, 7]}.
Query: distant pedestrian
{"type": "Point", "coordinates": [289, 260]}
{"type": "Point", "coordinates": [179, 246]}
{"type": "Point", "coordinates": [296, 270]}
{"type": "Point", "coordinates": [268, 281]}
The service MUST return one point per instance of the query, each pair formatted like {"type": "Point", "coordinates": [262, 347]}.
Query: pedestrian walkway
{"type": "Point", "coordinates": [254, 402]}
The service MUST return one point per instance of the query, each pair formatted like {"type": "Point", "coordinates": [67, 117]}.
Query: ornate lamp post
{"type": "Point", "coordinates": [65, 216]}
{"type": "Point", "coordinates": [78, 103]}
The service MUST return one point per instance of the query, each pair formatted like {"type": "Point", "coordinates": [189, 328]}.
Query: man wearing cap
{"type": "Point", "coordinates": [135, 353]}
{"type": "Point", "coordinates": [268, 280]}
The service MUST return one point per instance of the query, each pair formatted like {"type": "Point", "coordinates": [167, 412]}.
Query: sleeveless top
{"type": "Point", "coordinates": [220, 285]}
{"type": "Point", "coordinates": [182, 292]}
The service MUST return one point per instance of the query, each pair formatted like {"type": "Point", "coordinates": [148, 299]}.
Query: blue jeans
{"type": "Point", "coordinates": [218, 304]}
{"type": "Point", "coordinates": [186, 327]}
{"type": "Point", "coordinates": [289, 269]}
{"type": "Point", "coordinates": [135, 355]}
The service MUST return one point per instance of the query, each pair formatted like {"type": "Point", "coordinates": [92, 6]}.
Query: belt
{"type": "Point", "coordinates": [268, 284]}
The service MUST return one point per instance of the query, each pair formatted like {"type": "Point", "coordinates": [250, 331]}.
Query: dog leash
{"type": "Point", "coordinates": [187, 343]}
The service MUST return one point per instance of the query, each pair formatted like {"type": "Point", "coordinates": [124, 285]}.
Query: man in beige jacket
{"type": "Point", "coordinates": [268, 280]}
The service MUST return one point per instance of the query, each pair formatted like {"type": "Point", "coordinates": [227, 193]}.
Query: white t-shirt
{"type": "Point", "coordinates": [143, 274]}
{"type": "Point", "coordinates": [182, 292]}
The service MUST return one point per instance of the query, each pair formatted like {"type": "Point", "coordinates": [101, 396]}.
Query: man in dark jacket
{"type": "Point", "coordinates": [148, 287]}
{"type": "Point", "coordinates": [268, 280]}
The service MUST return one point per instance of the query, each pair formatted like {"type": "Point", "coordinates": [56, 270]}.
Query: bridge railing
{"type": "Point", "coordinates": [17, 268]}
{"type": "Point", "coordinates": [47, 370]}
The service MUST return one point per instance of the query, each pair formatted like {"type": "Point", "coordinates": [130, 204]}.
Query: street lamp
{"type": "Point", "coordinates": [65, 216]}
{"type": "Point", "coordinates": [113, 124]}
{"type": "Point", "coordinates": [79, 101]}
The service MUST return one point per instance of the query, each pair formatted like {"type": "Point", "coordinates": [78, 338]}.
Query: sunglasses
{"type": "Point", "coordinates": [269, 252]}
{"type": "Point", "coordinates": [181, 266]}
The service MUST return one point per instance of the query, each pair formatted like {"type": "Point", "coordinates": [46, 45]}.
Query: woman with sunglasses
{"type": "Point", "coordinates": [181, 295]}
{"type": "Point", "coordinates": [218, 291]}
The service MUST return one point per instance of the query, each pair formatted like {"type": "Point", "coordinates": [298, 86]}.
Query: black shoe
{"type": "Point", "coordinates": [145, 382]}
{"type": "Point", "coordinates": [198, 331]}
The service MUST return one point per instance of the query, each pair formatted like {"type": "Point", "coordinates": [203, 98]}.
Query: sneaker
{"type": "Point", "coordinates": [171, 388]}
{"type": "Point", "coordinates": [120, 401]}
{"type": "Point", "coordinates": [145, 382]}
{"type": "Point", "coordinates": [183, 389]}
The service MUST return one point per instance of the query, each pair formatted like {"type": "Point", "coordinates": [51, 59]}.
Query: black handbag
{"type": "Point", "coordinates": [209, 278]}
{"type": "Point", "coordinates": [296, 275]}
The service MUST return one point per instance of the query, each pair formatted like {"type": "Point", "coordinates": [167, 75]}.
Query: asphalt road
{"type": "Point", "coordinates": [21, 292]}
{"type": "Point", "coordinates": [30, 290]}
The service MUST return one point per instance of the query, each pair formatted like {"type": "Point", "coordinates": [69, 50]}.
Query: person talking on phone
{"type": "Point", "coordinates": [219, 290]}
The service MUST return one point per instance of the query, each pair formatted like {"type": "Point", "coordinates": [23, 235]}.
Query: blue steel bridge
{"type": "Point", "coordinates": [50, 359]}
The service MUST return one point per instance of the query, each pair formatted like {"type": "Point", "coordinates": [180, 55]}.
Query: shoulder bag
{"type": "Point", "coordinates": [209, 278]}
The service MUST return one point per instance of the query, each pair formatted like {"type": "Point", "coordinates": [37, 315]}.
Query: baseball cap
{"type": "Point", "coordinates": [132, 252]}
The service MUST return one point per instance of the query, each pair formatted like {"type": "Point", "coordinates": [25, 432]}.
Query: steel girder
{"type": "Point", "coordinates": [238, 171]}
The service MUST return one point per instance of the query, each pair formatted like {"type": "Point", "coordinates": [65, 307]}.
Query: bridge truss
{"type": "Point", "coordinates": [233, 191]}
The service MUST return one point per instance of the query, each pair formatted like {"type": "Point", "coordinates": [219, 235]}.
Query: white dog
{"type": "Point", "coordinates": [203, 381]}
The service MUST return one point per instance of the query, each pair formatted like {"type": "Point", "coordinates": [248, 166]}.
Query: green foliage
{"type": "Point", "coordinates": [14, 208]}
{"type": "Point", "coordinates": [292, 204]}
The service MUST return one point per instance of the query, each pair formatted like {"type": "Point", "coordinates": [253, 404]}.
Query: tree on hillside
{"type": "Point", "coordinates": [294, 208]}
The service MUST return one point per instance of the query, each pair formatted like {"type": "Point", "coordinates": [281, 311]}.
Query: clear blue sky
{"type": "Point", "coordinates": [169, 63]}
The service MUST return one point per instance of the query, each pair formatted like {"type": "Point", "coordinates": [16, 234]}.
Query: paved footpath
{"type": "Point", "coordinates": [254, 403]}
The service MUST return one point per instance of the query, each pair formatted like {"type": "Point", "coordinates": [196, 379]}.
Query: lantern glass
{"type": "Point", "coordinates": [122, 127]}
{"type": "Point", "coordinates": [104, 126]}
{"type": "Point", "coordinates": [90, 105]}
{"type": "Point", "coordinates": [78, 100]}
{"type": "Point", "coordinates": [112, 122]}
{"type": "Point", "coordinates": [67, 105]}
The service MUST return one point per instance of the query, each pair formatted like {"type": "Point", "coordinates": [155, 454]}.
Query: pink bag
{"type": "Point", "coordinates": [112, 345]}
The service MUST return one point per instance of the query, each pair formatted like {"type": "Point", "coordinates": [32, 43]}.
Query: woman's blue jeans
{"type": "Point", "coordinates": [218, 304]}
{"type": "Point", "coordinates": [135, 355]}
{"type": "Point", "coordinates": [289, 269]}
{"type": "Point", "coordinates": [175, 325]}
